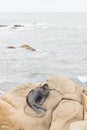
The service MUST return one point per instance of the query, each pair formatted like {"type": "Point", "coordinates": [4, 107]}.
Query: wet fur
{"type": "Point", "coordinates": [36, 98]}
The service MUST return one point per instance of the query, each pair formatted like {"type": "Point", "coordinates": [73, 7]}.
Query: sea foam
{"type": "Point", "coordinates": [83, 79]}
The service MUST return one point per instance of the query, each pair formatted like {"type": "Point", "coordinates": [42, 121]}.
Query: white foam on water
{"type": "Point", "coordinates": [4, 80]}
{"type": "Point", "coordinates": [83, 78]}
{"type": "Point", "coordinates": [1, 92]}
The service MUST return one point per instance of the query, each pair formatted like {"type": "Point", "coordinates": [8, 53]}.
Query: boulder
{"type": "Point", "coordinates": [70, 108]}
{"type": "Point", "coordinates": [64, 106]}
{"type": "Point", "coordinates": [27, 47]}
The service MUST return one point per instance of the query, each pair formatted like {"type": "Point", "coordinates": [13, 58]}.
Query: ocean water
{"type": "Point", "coordinates": [60, 41]}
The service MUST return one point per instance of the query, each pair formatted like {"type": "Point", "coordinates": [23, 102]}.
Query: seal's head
{"type": "Point", "coordinates": [45, 88]}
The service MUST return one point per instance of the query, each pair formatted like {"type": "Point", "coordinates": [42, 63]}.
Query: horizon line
{"type": "Point", "coordinates": [49, 12]}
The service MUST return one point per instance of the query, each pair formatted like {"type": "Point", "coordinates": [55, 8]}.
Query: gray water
{"type": "Point", "coordinates": [60, 41]}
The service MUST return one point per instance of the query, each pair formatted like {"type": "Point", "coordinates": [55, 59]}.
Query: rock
{"type": "Point", "coordinates": [27, 47]}
{"type": "Point", "coordinates": [18, 25]}
{"type": "Point", "coordinates": [3, 25]}
{"type": "Point", "coordinates": [79, 125]}
{"type": "Point", "coordinates": [11, 47]}
{"type": "Point", "coordinates": [84, 102]}
{"type": "Point", "coordinates": [70, 108]}
{"type": "Point", "coordinates": [64, 106]}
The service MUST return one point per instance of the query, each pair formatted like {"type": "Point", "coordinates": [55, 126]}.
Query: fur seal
{"type": "Point", "coordinates": [36, 98]}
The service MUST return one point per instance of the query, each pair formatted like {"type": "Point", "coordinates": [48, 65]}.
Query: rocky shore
{"type": "Point", "coordinates": [66, 107]}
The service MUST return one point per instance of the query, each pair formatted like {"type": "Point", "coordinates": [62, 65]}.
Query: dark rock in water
{"type": "Point", "coordinates": [27, 47]}
{"type": "Point", "coordinates": [3, 25]}
{"type": "Point", "coordinates": [11, 47]}
{"type": "Point", "coordinates": [18, 25]}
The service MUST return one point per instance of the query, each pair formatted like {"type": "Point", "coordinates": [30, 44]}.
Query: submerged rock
{"type": "Point", "coordinates": [27, 47]}
{"type": "Point", "coordinates": [64, 104]}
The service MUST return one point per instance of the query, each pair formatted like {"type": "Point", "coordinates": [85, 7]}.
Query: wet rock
{"type": "Point", "coordinates": [64, 106]}
{"type": "Point", "coordinates": [26, 46]}
{"type": "Point", "coordinates": [11, 47]}
{"type": "Point", "coordinates": [3, 25]}
{"type": "Point", "coordinates": [18, 25]}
